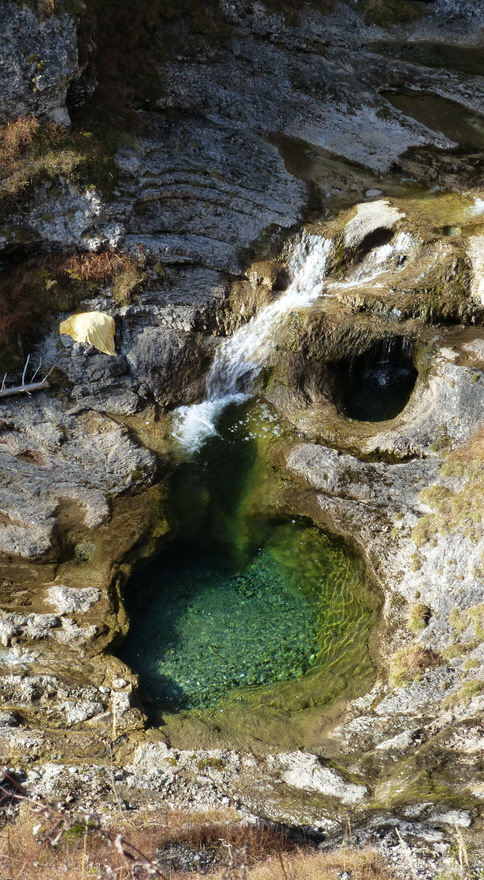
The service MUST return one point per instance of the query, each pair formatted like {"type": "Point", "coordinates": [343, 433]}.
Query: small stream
{"type": "Point", "coordinates": [248, 606]}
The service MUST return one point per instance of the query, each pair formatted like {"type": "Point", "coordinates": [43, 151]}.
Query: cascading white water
{"type": "Point", "coordinates": [386, 258]}
{"type": "Point", "coordinates": [240, 358]}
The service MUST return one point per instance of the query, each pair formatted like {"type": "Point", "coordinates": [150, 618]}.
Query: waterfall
{"type": "Point", "coordinates": [239, 359]}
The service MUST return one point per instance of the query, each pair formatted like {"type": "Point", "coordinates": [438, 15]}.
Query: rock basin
{"type": "Point", "coordinates": [203, 199]}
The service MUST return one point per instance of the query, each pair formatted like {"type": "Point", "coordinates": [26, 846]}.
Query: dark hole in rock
{"type": "Point", "coordinates": [375, 239]}
{"type": "Point", "coordinates": [377, 385]}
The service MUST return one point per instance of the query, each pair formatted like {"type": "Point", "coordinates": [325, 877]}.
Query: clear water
{"type": "Point", "coordinates": [378, 391]}
{"type": "Point", "coordinates": [243, 599]}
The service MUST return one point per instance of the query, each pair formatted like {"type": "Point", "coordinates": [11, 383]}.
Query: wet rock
{"type": "Point", "coordinates": [370, 218]}
{"type": "Point", "coordinates": [306, 772]}
{"type": "Point", "coordinates": [76, 460]}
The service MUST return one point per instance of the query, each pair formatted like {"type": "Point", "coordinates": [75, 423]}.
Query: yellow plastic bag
{"type": "Point", "coordinates": [96, 328]}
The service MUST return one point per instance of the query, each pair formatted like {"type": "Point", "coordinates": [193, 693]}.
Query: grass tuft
{"type": "Point", "coordinates": [409, 664]}
{"type": "Point", "coordinates": [418, 617]}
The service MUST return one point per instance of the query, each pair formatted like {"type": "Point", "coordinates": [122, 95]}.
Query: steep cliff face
{"type": "Point", "coordinates": [198, 143]}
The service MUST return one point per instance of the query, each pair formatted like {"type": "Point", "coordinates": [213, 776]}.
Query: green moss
{"type": "Point", "coordinates": [416, 562]}
{"type": "Point", "coordinates": [172, 761]}
{"type": "Point", "coordinates": [211, 763]}
{"type": "Point", "coordinates": [458, 619]}
{"type": "Point", "coordinates": [464, 695]}
{"type": "Point", "coordinates": [386, 13]}
{"type": "Point", "coordinates": [476, 615]}
{"type": "Point", "coordinates": [470, 663]}
{"type": "Point", "coordinates": [453, 651]}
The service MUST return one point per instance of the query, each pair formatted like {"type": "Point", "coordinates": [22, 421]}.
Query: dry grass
{"type": "Point", "coordinates": [31, 152]}
{"type": "Point", "coordinates": [15, 138]}
{"type": "Point", "coordinates": [46, 843]}
{"type": "Point", "coordinates": [409, 664]}
{"type": "Point", "coordinates": [38, 289]}
{"type": "Point", "coordinates": [418, 617]}
{"type": "Point", "coordinates": [107, 268]}
{"type": "Point", "coordinates": [357, 864]}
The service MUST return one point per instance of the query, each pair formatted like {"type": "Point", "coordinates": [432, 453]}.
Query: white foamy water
{"type": "Point", "coordinates": [477, 208]}
{"type": "Point", "coordinates": [385, 258]}
{"type": "Point", "coordinates": [239, 359]}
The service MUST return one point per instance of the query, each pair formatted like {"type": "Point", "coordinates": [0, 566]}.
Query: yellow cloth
{"type": "Point", "coordinates": [97, 328]}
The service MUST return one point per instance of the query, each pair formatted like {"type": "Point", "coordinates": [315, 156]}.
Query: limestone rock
{"type": "Point", "coordinates": [69, 599]}
{"type": "Point", "coordinates": [38, 59]}
{"type": "Point", "coordinates": [306, 772]}
{"type": "Point", "coordinates": [370, 217]}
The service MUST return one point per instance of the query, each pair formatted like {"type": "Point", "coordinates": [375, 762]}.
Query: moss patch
{"type": "Point", "coordinates": [460, 511]}
{"type": "Point", "coordinates": [386, 13]}
{"type": "Point", "coordinates": [464, 695]}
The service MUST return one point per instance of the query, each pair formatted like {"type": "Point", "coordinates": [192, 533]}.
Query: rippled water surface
{"type": "Point", "coordinates": [243, 601]}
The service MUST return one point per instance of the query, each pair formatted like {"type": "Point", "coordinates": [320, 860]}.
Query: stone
{"type": "Point", "coordinates": [8, 719]}
{"type": "Point", "coordinates": [306, 772]}
{"type": "Point", "coordinates": [38, 60]}
{"type": "Point", "coordinates": [70, 599]}
{"type": "Point", "coordinates": [370, 218]}
{"type": "Point", "coordinates": [475, 249]}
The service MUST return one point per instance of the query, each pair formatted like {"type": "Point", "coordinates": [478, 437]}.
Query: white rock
{"type": "Point", "coordinates": [304, 771]}
{"type": "Point", "coordinates": [69, 599]}
{"type": "Point", "coordinates": [370, 217]}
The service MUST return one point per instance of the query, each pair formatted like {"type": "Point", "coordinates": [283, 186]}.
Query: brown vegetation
{"type": "Point", "coordinates": [409, 664]}
{"type": "Point", "coordinates": [38, 289]}
{"type": "Point", "coordinates": [31, 152]}
{"type": "Point", "coordinates": [15, 138]}
{"type": "Point", "coordinates": [46, 843]}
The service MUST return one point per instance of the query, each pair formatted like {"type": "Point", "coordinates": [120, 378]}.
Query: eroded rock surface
{"type": "Point", "coordinates": [247, 137]}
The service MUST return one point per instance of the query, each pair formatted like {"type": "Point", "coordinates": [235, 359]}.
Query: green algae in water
{"type": "Point", "coordinates": [241, 602]}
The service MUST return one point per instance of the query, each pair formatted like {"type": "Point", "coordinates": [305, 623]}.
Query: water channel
{"type": "Point", "coordinates": [247, 607]}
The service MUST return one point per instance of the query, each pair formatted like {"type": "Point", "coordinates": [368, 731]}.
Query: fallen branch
{"type": "Point", "coordinates": [19, 389]}
{"type": "Point", "coordinates": [26, 388]}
